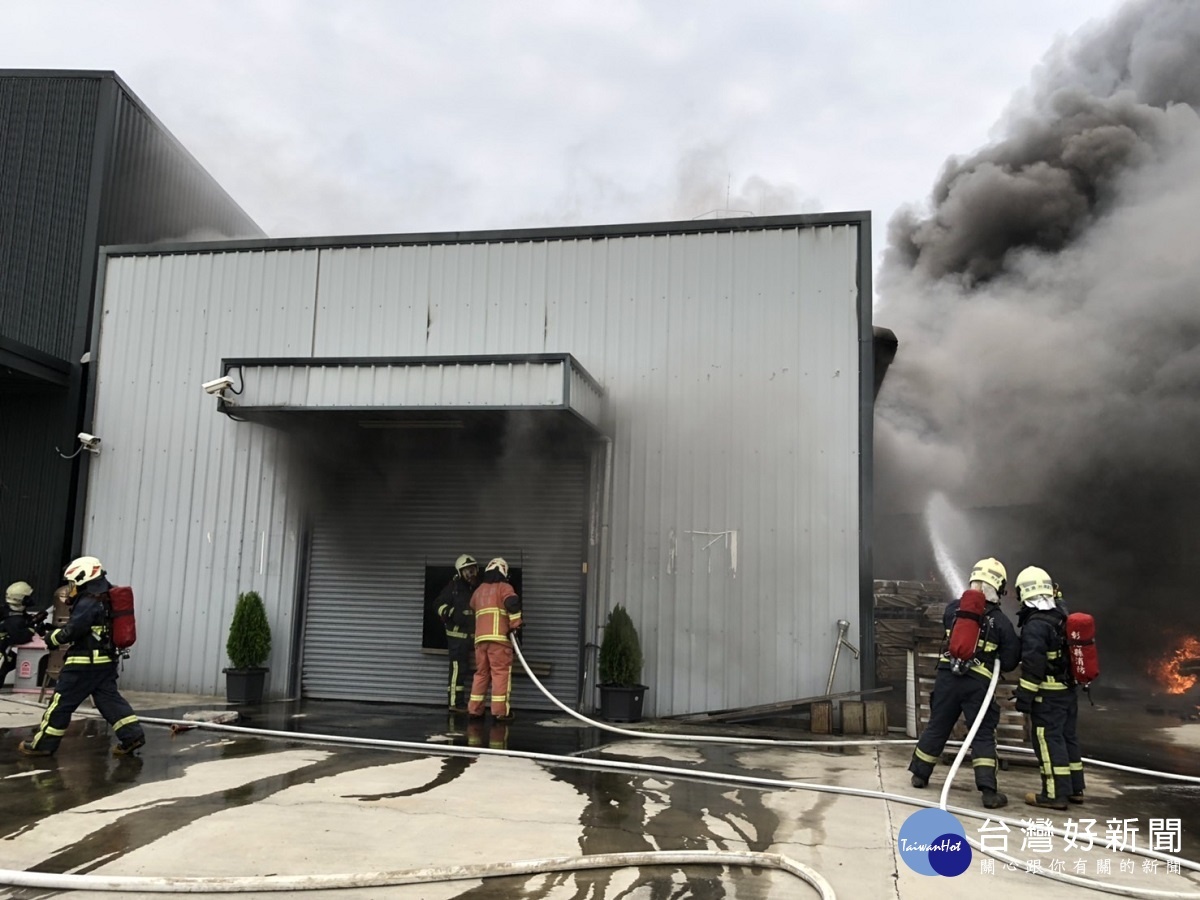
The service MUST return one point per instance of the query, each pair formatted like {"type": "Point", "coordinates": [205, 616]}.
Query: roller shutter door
{"type": "Point", "coordinates": [366, 573]}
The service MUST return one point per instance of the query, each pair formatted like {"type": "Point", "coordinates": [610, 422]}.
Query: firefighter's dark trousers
{"type": "Point", "coordinates": [955, 695]}
{"type": "Point", "coordinates": [1071, 735]}
{"type": "Point", "coordinates": [460, 650]}
{"type": "Point", "coordinates": [1048, 725]}
{"type": "Point", "coordinates": [74, 686]}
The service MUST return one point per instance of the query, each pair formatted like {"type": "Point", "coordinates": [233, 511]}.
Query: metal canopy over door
{"type": "Point", "coordinates": [379, 527]}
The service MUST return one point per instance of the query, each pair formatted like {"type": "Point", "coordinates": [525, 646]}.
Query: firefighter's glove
{"type": "Point", "coordinates": [42, 628]}
{"type": "Point", "coordinates": [1024, 702]}
{"type": "Point", "coordinates": [516, 636]}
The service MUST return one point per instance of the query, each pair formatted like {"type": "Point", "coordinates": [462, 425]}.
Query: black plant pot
{"type": "Point", "coordinates": [244, 686]}
{"type": "Point", "coordinates": [620, 703]}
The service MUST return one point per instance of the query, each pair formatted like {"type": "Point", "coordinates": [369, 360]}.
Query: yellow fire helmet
{"type": "Point", "coordinates": [17, 593]}
{"type": "Point", "coordinates": [463, 561]}
{"type": "Point", "coordinates": [1034, 584]}
{"type": "Point", "coordinates": [990, 571]}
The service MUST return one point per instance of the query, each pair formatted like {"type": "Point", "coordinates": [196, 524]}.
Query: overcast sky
{"type": "Point", "coordinates": [349, 117]}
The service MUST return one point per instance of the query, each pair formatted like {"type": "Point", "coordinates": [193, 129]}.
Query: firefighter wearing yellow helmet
{"type": "Point", "coordinates": [90, 668]}
{"type": "Point", "coordinates": [1044, 690]}
{"type": "Point", "coordinates": [17, 626]}
{"type": "Point", "coordinates": [963, 675]}
{"type": "Point", "coordinates": [498, 622]}
{"type": "Point", "coordinates": [454, 609]}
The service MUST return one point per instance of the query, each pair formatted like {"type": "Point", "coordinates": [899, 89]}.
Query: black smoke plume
{"type": "Point", "coordinates": [1047, 305]}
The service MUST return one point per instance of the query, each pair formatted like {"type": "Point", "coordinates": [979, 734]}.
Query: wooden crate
{"type": "Point", "coordinates": [821, 717]}
{"type": "Point", "coordinates": [854, 716]}
{"type": "Point", "coordinates": [876, 717]}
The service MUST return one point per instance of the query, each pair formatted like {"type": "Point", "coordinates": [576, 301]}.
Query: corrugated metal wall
{"type": "Point", "coordinates": [730, 360]}
{"type": "Point", "coordinates": [186, 505]}
{"type": "Point", "coordinates": [47, 134]}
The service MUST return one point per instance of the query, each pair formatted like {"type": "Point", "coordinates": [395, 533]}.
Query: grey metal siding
{"type": "Point", "coordinates": [362, 637]}
{"type": "Point", "coordinates": [186, 505]}
{"type": "Point", "coordinates": [491, 384]}
{"type": "Point", "coordinates": [47, 134]}
{"type": "Point", "coordinates": [730, 360]}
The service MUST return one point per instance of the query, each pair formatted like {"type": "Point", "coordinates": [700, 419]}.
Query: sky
{"type": "Point", "coordinates": [365, 117]}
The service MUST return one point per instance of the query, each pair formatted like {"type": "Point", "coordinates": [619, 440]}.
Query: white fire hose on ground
{"type": "Point", "coordinates": [149, 884]}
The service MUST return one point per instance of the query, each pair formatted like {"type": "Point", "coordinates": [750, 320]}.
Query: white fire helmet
{"type": "Point", "coordinates": [498, 565]}
{"type": "Point", "coordinates": [1035, 588]}
{"type": "Point", "coordinates": [16, 594]}
{"type": "Point", "coordinates": [83, 570]}
{"type": "Point", "coordinates": [463, 561]}
{"type": "Point", "coordinates": [991, 571]}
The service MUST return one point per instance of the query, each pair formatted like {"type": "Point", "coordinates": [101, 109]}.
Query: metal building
{"type": "Point", "coordinates": [671, 416]}
{"type": "Point", "coordinates": [82, 163]}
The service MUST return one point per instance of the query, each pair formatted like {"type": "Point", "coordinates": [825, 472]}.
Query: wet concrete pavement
{"type": "Point", "coordinates": [204, 803]}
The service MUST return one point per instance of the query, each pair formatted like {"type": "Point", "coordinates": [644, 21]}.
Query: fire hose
{"type": "Point", "coordinates": [249, 883]}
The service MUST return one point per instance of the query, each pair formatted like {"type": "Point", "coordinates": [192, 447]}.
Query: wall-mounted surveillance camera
{"type": "Point", "coordinates": [217, 385]}
{"type": "Point", "coordinates": [89, 441]}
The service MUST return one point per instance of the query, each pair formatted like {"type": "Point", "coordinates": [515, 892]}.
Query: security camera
{"type": "Point", "coordinates": [89, 441]}
{"type": "Point", "coordinates": [217, 385]}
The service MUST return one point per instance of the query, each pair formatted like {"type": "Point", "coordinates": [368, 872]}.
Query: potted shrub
{"type": "Point", "coordinates": [248, 647]}
{"type": "Point", "coordinates": [621, 693]}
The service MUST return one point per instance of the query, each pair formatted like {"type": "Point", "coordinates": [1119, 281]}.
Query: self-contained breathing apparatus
{"type": "Point", "coordinates": [964, 634]}
{"type": "Point", "coordinates": [971, 615]}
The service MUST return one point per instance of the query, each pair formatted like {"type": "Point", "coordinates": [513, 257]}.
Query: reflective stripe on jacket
{"type": "Point", "coordinates": [88, 632]}
{"type": "Point", "coordinates": [1043, 662]}
{"type": "Point", "coordinates": [454, 608]}
{"type": "Point", "coordinates": [497, 611]}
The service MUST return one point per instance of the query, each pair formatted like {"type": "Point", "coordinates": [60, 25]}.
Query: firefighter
{"type": "Point", "coordinates": [1071, 730]}
{"type": "Point", "coordinates": [454, 609]}
{"type": "Point", "coordinates": [90, 668]}
{"type": "Point", "coordinates": [960, 690]}
{"type": "Point", "coordinates": [1044, 688]}
{"type": "Point", "coordinates": [498, 621]}
{"type": "Point", "coordinates": [17, 626]}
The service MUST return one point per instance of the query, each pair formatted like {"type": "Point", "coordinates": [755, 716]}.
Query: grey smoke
{"type": "Point", "coordinates": [1048, 309]}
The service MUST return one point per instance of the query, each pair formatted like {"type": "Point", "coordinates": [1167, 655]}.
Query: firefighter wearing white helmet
{"type": "Point", "coordinates": [454, 609]}
{"type": "Point", "coordinates": [498, 622]}
{"type": "Point", "coordinates": [1044, 689]}
{"type": "Point", "coordinates": [90, 667]}
{"type": "Point", "coordinates": [17, 626]}
{"type": "Point", "coordinates": [961, 685]}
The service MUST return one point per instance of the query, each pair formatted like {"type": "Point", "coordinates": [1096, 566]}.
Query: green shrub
{"type": "Point", "coordinates": [620, 651]}
{"type": "Point", "coordinates": [249, 642]}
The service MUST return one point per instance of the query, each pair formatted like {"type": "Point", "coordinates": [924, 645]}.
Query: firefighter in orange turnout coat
{"type": "Point", "coordinates": [497, 611]}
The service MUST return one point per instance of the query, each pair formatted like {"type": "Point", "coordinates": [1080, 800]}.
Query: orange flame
{"type": "Point", "coordinates": [1166, 669]}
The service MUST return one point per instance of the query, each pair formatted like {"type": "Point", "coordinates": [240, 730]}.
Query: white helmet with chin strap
{"type": "Point", "coordinates": [83, 570]}
{"type": "Point", "coordinates": [498, 565]}
{"type": "Point", "coordinates": [16, 595]}
{"type": "Point", "coordinates": [1035, 588]}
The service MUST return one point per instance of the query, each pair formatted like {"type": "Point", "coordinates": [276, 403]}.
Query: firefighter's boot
{"type": "Point", "coordinates": [1046, 802]}
{"type": "Point", "coordinates": [994, 799]}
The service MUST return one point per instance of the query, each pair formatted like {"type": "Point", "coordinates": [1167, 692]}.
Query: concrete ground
{"type": "Point", "coordinates": [203, 803]}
